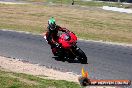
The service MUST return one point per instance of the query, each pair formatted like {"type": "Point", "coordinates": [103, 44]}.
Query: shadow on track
{"type": "Point", "coordinates": [68, 60]}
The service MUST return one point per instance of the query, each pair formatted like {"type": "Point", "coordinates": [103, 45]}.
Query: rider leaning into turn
{"type": "Point", "coordinates": [52, 33]}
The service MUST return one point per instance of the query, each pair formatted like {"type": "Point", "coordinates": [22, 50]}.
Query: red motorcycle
{"type": "Point", "coordinates": [67, 48]}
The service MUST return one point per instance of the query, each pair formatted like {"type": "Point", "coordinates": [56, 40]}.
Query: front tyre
{"type": "Point", "coordinates": [81, 56]}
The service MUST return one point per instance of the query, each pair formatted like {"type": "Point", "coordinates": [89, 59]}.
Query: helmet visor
{"type": "Point", "coordinates": [53, 26]}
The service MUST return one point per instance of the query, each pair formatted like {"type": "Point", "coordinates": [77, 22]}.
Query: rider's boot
{"type": "Point", "coordinates": [54, 51]}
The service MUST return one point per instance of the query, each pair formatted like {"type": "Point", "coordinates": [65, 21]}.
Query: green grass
{"type": "Point", "coordinates": [86, 3]}
{"type": "Point", "coordinates": [93, 3]}
{"type": "Point", "coordinates": [88, 24]}
{"type": "Point", "coordinates": [35, 0]}
{"type": "Point", "coordinates": [20, 80]}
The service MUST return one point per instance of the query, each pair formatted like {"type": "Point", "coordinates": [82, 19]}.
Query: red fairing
{"type": "Point", "coordinates": [67, 40]}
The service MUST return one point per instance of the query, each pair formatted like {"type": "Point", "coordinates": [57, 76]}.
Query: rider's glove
{"type": "Point", "coordinates": [67, 30]}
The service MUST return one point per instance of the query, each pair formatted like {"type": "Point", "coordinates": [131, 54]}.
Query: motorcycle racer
{"type": "Point", "coordinates": [52, 32]}
{"type": "Point", "coordinates": [63, 45]}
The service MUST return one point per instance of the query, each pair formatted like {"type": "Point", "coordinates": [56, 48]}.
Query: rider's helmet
{"type": "Point", "coordinates": [52, 23]}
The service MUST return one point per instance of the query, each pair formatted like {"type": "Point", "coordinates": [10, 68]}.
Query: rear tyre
{"type": "Point", "coordinates": [81, 56]}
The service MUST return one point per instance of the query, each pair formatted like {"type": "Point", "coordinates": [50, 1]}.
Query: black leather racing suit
{"type": "Point", "coordinates": [52, 34]}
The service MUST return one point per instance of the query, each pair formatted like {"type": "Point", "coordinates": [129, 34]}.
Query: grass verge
{"type": "Point", "coordinates": [93, 3]}
{"type": "Point", "coordinates": [87, 3]}
{"type": "Point", "coordinates": [20, 80]}
{"type": "Point", "coordinates": [92, 23]}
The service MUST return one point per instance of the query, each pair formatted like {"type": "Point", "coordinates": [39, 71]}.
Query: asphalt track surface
{"type": "Point", "coordinates": [105, 61]}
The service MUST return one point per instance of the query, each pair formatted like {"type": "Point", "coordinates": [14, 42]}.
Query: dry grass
{"type": "Point", "coordinates": [89, 24]}
{"type": "Point", "coordinates": [16, 74]}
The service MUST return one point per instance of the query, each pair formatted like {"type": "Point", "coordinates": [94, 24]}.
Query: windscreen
{"type": "Point", "coordinates": [67, 37]}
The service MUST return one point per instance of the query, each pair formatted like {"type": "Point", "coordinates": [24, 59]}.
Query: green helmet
{"type": "Point", "coordinates": [52, 23]}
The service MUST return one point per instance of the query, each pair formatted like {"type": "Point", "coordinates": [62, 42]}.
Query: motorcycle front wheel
{"type": "Point", "coordinates": [81, 56]}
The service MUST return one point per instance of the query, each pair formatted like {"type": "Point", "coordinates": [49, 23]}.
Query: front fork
{"type": "Point", "coordinates": [71, 53]}
{"type": "Point", "coordinates": [73, 50]}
